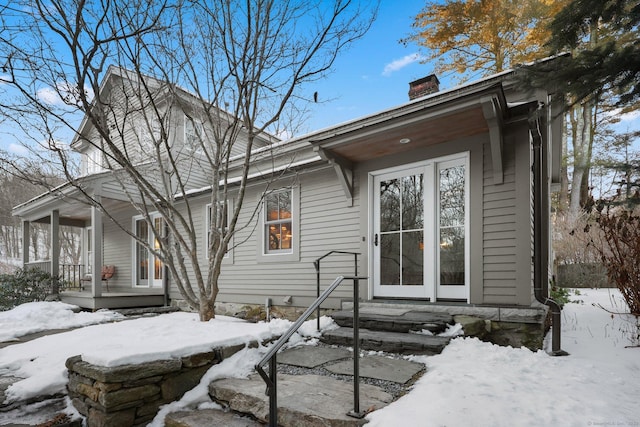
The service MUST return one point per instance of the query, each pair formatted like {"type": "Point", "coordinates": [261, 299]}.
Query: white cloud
{"type": "Point", "coordinates": [398, 64]}
{"type": "Point", "coordinates": [63, 94]}
{"type": "Point", "coordinates": [49, 96]}
{"type": "Point", "coordinates": [18, 149]}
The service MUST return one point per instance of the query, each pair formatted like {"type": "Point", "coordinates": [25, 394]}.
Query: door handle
{"type": "Point", "coordinates": [375, 240]}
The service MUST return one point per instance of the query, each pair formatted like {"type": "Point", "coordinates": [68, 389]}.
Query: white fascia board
{"type": "Point", "coordinates": [251, 176]}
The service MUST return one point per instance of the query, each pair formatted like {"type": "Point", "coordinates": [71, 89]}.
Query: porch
{"type": "Point", "coordinates": [117, 298]}
{"type": "Point", "coordinates": [74, 288]}
{"type": "Point", "coordinates": [98, 243]}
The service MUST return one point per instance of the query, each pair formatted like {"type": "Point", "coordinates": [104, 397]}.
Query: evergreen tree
{"type": "Point", "coordinates": [611, 64]}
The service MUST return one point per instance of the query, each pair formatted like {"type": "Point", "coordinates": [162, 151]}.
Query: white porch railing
{"type": "Point", "coordinates": [41, 265]}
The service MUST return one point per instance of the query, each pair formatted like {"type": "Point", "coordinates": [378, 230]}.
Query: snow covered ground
{"type": "Point", "coordinates": [470, 383]}
{"type": "Point", "coordinates": [42, 316]}
{"type": "Point", "coordinates": [480, 384]}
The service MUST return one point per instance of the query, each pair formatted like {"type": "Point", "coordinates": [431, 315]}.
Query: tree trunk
{"type": "Point", "coordinates": [582, 139]}
{"type": "Point", "coordinates": [577, 123]}
{"type": "Point", "coordinates": [582, 123]}
{"type": "Point", "coordinates": [563, 197]}
{"type": "Point", "coordinates": [207, 309]}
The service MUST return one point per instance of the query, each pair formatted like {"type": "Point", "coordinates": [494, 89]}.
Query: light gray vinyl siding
{"type": "Point", "coordinates": [117, 247]}
{"type": "Point", "coordinates": [325, 224]}
{"type": "Point", "coordinates": [499, 230]}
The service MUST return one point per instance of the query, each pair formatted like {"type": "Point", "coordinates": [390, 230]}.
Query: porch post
{"type": "Point", "coordinates": [96, 248]}
{"type": "Point", "coordinates": [26, 240]}
{"type": "Point", "coordinates": [55, 249]}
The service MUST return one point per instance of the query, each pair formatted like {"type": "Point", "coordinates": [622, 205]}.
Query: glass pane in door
{"type": "Point", "coordinates": [157, 264]}
{"type": "Point", "coordinates": [401, 219]}
{"type": "Point", "coordinates": [452, 226]}
{"type": "Point", "coordinates": [390, 259]}
{"type": "Point", "coordinates": [412, 258]}
{"type": "Point", "coordinates": [452, 256]}
{"type": "Point", "coordinates": [390, 205]}
{"type": "Point", "coordinates": [412, 202]}
{"type": "Point", "coordinates": [142, 254]}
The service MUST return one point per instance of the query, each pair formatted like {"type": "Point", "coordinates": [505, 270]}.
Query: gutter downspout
{"type": "Point", "coordinates": [539, 267]}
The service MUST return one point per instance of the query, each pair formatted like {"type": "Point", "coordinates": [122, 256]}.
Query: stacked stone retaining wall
{"type": "Point", "coordinates": [131, 395]}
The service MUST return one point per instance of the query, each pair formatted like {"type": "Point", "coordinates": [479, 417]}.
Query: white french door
{"type": "Point", "coordinates": [399, 233]}
{"type": "Point", "coordinates": [148, 269]}
{"type": "Point", "coordinates": [420, 244]}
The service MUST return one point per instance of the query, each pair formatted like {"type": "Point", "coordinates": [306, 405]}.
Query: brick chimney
{"type": "Point", "coordinates": [424, 86]}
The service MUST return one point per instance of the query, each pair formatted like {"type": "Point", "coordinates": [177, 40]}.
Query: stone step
{"type": "Point", "coordinates": [391, 342]}
{"type": "Point", "coordinates": [339, 361]}
{"type": "Point", "coordinates": [209, 417]}
{"type": "Point", "coordinates": [303, 400]}
{"type": "Point", "coordinates": [395, 320]}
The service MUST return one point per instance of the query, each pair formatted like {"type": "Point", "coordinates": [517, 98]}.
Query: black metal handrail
{"type": "Point", "coordinates": [316, 264]}
{"type": "Point", "coordinates": [71, 275]}
{"type": "Point", "coordinates": [271, 356]}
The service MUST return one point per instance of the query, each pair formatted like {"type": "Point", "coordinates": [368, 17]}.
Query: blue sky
{"type": "Point", "coordinates": [374, 73]}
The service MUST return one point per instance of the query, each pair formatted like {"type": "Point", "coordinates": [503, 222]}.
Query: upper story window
{"type": "Point", "coordinates": [150, 133]}
{"type": "Point", "coordinates": [193, 134]}
{"type": "Point", "coordinates": [94, 159]}
{"type": "Point", "coordinates": [278, 221]}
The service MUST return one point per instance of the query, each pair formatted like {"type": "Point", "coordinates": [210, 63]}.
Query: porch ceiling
{"type": "Point", "coordinates": [72, 212]}
{"type": "Point", "coordinates": [385, 138]}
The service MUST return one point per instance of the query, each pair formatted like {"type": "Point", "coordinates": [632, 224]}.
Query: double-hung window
{"type": "Point", "coordinates": [280, 226]}
{"type": "Point", "coordinates": [94, 159]}
{"type": "Point", "coordinates": [193, 134]}
{"type": "Point", "coordinates": [278, 222]}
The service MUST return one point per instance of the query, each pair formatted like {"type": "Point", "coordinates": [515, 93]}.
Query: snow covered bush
{"type": "Point", "coordinates": [25, 285]}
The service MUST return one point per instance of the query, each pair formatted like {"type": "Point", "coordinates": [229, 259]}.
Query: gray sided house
{"type": "Point", "coordinates": [445, 199]}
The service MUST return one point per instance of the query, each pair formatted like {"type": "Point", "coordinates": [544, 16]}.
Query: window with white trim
{"type": "Point", "coordinates": [88, 251]}
{"type": "Point", "coordinates": [150, 133]}
{"type": "Point", "coordinates": [148, 270]}
{"type": "Point", "coordinates": [193, 134]}
{"type": "Point", "coordinates": [278, 224]}
{"type": "Point", "coordinates": [94, 160]}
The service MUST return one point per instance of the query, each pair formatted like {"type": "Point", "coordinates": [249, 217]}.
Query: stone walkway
{"type": "Point", "coordinates": [311, 379]}
{"type": "Point", "coordinates": [340, 361]}
{"type": "Point", "coordinates": [315, 388]}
